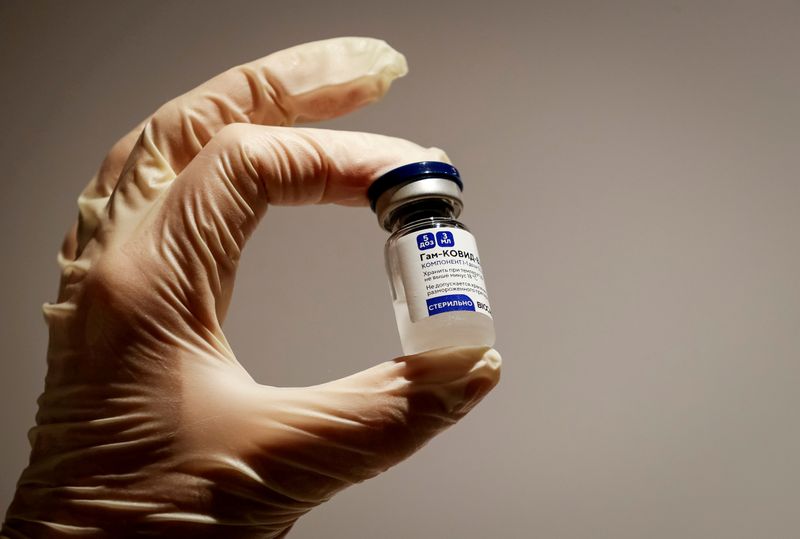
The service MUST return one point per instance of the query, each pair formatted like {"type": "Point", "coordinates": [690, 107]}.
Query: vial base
{"type": "Point", "coordinates": [455, 328]}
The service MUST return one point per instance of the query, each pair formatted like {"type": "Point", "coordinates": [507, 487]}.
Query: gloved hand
{"type": "Point", "coordinates": [148, 424]}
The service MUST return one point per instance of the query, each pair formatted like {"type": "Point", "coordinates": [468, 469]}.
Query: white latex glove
{"type": "Point", "coordinates": [148, 424]}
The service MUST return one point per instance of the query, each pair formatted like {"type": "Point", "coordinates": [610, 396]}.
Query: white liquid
{"type": "Point", "coordinates": [455, 328]}
{"type": "Point", "coordinates": [439, 330]}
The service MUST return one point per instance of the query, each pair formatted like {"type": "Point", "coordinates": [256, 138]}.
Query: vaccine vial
{"type": "Point", "coordinates": [435, 272]}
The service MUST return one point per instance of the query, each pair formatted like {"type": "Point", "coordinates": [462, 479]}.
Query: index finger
{"type": "Point", "coordinates": [309, 82]}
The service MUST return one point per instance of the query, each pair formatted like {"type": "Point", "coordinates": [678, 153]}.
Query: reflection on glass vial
{"type": "Point", "coordinates": [432, 260]}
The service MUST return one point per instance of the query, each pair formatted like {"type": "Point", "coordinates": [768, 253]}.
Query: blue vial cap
{"type": "Point", "coordinates": [411, 173]}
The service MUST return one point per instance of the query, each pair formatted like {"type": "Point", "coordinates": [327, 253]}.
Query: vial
{"type": "Point", "coordinates": [435, 273]}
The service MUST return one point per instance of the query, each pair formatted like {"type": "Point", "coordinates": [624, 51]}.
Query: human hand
{"type": "Point", "coordinates": [148, 425]}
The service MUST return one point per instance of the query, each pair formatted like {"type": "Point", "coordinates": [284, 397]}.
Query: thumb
{"type": "Point", "coordinates": [349, 430]}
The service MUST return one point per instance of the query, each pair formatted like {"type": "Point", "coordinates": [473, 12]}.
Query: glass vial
{"type": "Point", "coordinates": [435, 273]}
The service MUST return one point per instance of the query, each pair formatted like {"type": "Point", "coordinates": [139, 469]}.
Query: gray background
{"type": "Point", "coordinates": [632, 176]}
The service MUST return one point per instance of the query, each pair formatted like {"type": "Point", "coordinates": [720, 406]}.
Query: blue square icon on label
{"type": "Point", "coordinates": [425, 241]}
{"type": "Point", "coordinates": [445, 239]}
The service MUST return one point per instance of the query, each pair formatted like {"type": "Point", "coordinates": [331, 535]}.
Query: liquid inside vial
{"type": "Point", "coordinates": [438, 291]}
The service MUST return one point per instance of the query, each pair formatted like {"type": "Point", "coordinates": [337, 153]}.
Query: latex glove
{"type": "Point", "coordinates": [148, 424]}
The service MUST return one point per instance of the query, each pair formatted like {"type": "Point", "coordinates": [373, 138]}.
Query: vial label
{"type": "Point", "coordinates": [441, 272]}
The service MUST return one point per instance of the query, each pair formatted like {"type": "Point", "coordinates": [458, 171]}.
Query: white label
{"type": "Point", "coordinates": [441, 272]}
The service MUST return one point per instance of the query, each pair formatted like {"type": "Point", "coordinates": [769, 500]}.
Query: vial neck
{"type": "Point", "coordinates": [419, 210]}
